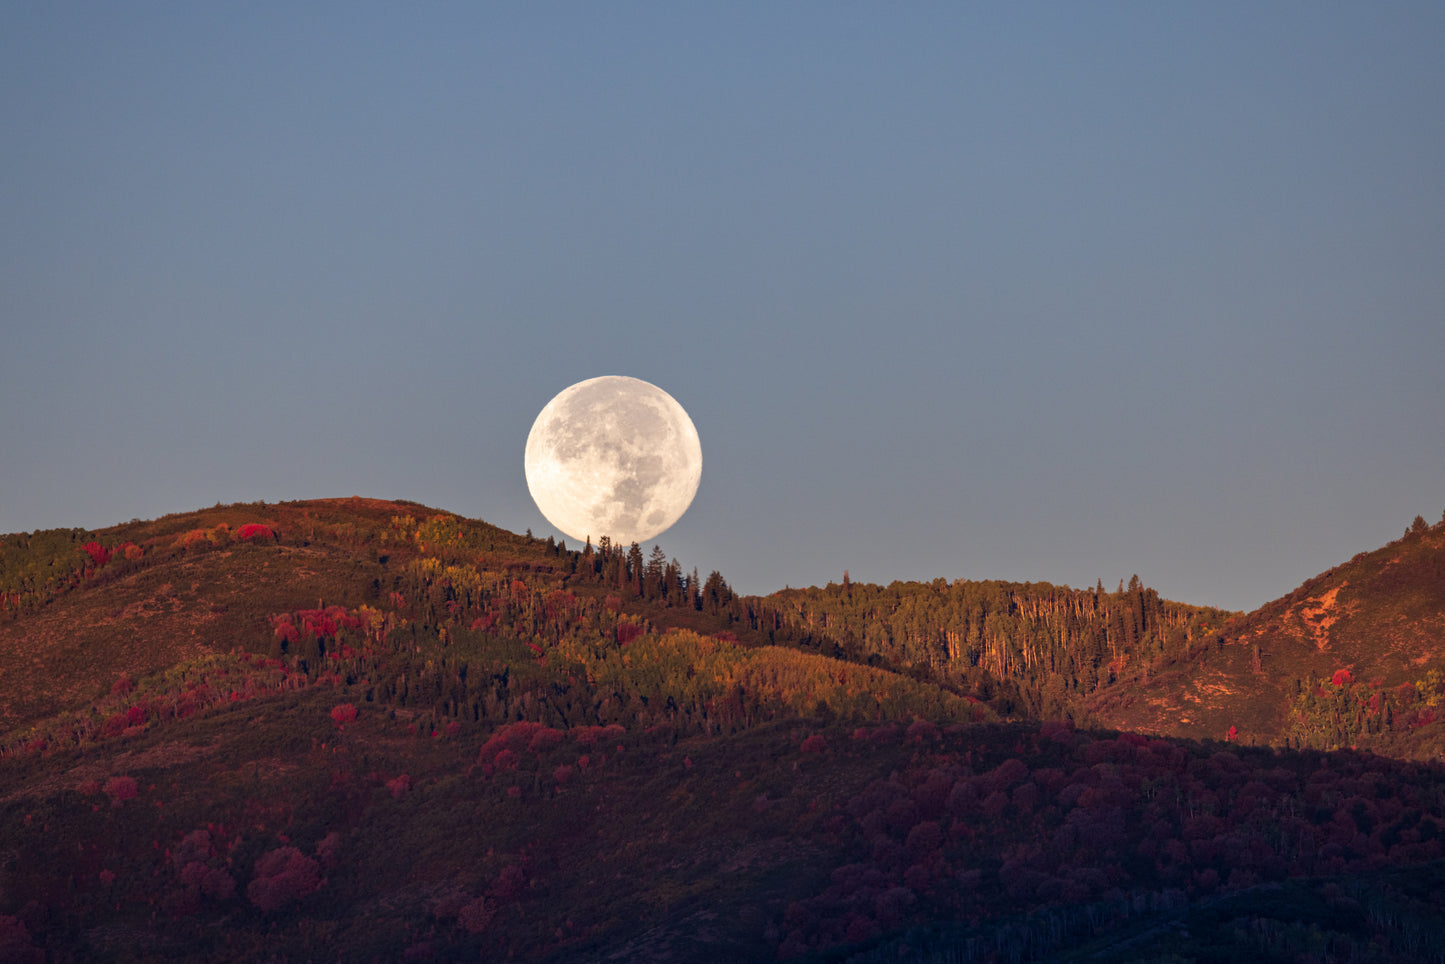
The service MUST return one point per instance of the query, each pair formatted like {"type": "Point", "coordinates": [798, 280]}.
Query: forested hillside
{"type": "Point", "coordinates": [376, 730]}
{"type": "Point", "coordinates": [1032, 647]}
{"type": "Point", "coordinates": [453, 617]}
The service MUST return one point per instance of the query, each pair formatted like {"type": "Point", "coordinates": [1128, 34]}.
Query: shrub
{"type": "Point", "coordinates": [343, 714]}
{"type": "Point", "coordinates": [120, 789]}
{"type": "Point", "coordinates": [281, 876]}
{"type": "Point", "coordinates": [543, 740]}
{"type": "Point", "coordinates": [99, 555]}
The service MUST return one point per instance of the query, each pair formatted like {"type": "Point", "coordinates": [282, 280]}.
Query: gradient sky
{"type": "Point", "coordinates": [1030, 291]}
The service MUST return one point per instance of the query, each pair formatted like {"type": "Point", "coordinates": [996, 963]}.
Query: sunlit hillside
{"type": "Point", "coordinates": [1354, 657]}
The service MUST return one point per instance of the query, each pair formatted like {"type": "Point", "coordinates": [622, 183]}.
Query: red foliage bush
{"type": "Point", "coordinates": [627, 632]}
{"type": "Point", "coordinates": [343, 714]}
{"type": "Point", "coordinates": [1342, 677]}
{"type": "Point", "coordinates": [282, 876]}
{"type": "Point", "coordinates": [122, 686]}
{"type": "Point", "coordinates": [120, 789]}
{"type": "Point", "coordinates": [99, 555]}
{"type": "Point", "coordinates": [884, 735]}
{"type": "Point", "coordinates": [514, 738]}
{"type": "Point", "coordinates": [115, 725]}
{"type": "Point", "coordinates": [399, 786]}
{"type": "Point", "coordinates": [543, 740]}
{"type": "Point", "coordinates": [814, 744]}
{"type": "Point", "coordinates": [255, 530]}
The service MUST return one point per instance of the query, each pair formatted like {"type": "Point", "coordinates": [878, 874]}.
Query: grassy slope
{"type": "Point", "coordinates": [173, 604]}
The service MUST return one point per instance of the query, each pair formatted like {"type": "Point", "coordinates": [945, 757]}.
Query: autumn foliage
{"type": "Point", "coordinates": [99, 555]}
{"type": "Point", "coordinates": [120, 789]}
{"type": "Point", "coordinates": [282, 876]}
{"type": "Point", "coordinates": [255, 530]}
{"type": "Point", "coordinates": [532, 719]}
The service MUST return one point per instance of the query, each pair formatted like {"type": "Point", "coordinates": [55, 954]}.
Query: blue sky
{"type": "Point", "coordinates": [1032, 291]}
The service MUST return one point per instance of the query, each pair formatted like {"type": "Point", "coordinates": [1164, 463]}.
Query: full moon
{"type": "Point", "coordinates": [613, 456]}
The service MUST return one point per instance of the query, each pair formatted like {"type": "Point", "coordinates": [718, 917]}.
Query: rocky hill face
{"type": "Point", "coordinates": [1344, 660]}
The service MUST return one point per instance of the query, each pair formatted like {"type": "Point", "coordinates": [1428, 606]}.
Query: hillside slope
{"type": "Point", "coordinates": [1345, 659]}
{"type": "Point", "coordinates": [156, 593]}
{"type": "Point", "coordinates": [376, 731]}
